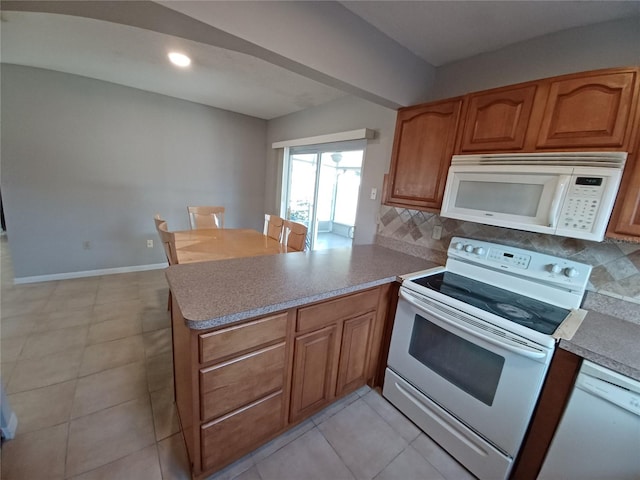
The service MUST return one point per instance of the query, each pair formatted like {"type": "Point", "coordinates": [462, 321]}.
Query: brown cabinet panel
{"type": "Point", "coordinates": [233, 384]}
{"type": "Point", "coordinates": [589, 111]}
{"type": "Point", "coordinates": [625, 221]}
{"type": "Point", "coordinates": [240, 338]}
{"type": "Point", "coordinates": [232, 436]}
{"type": "Point", "coordinates": [423, 144]}
{"type": "Point", "coordinates": [497, 119]}
{"type": "Point", "coordinates": [354, 353]}
{"type": "Point", "coordinates": [321, 314]}
{"type": "Point", "coordinates": [313, 372]}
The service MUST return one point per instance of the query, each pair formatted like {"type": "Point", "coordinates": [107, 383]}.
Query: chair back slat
{"type": "Point", "coordinates": [294, 235]}
{"type": "Point", "coordinates": [206, 217]}
{"type": "Point", "coordinates": [273, 226]}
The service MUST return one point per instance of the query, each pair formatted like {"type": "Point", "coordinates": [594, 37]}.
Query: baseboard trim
{"type": "Point", "coordinates": [88, 273]}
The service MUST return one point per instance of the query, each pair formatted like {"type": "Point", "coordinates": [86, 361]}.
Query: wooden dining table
{"type": "Point", "coordinates": [201, 245]}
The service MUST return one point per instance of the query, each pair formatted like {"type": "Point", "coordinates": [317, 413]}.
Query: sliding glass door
{"type": "Point", "coordinates": [320, 190]}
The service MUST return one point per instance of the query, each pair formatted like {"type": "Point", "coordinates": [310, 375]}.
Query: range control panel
{"type": "Point", "coordinates": [524, 263]}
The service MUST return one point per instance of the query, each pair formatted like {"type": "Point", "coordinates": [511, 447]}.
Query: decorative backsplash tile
{"type": "Point", "coordinates": [616, 264]}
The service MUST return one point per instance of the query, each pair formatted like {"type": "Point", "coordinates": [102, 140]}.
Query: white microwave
{"type": "Point", "coordinates": [568, 194]}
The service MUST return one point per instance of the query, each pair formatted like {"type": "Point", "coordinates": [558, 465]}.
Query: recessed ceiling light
{"type": "Point", "coordinates": [179, 59]}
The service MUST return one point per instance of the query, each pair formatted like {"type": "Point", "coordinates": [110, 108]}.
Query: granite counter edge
{"type": "Point", "coordinates": [600, 359]}
{"type": "Point", "coordinates": [278, 307]}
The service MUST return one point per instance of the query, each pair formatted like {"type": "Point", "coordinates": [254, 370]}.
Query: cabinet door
{"type": "Point", "coordinates": [589, 111]}
{"type": "Point", "coordinates": [313, 371]}
{"type": "Point", "coordinates": [354, 353]}
{"type": "Point", "coordinates": [423, 145]}
{"type": "Point", "coordinates": [497, 120]}
{"type": "Point", "coordinates": [626, 218]}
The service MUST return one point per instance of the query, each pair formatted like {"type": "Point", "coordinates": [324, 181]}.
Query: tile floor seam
{"type": "Point", "coordinates": [110, 406]}
{"type": "Point", "coordinates": [391, 425]}
{"type": "Point", "coordinates": [338, 454]}
{"type": "Point", "coordinates": [427, 460]}
{"type": "Point", "coordinates": [66, 449]}
{"type": "Point", "coordinates": [390, 462]}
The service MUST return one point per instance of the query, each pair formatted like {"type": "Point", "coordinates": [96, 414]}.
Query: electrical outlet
{"type": "Point", "coordinates": [86, 245]}
{"type": "Point", "coordinates": [374, 193]}
{"type": "Point", "coordinates": [437, 232]}
{"type": "Point", "coordinates": [149, 243]}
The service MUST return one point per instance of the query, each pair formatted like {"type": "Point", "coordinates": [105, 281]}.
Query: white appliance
{"type": "Point", "coordinates": [599, 434]}
{"type": "Point", "coordinates": [471, 346]}
{"type": "Point", "coordinates": [568, 194]}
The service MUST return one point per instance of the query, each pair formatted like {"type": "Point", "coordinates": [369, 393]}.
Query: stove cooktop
{"type": "Point", "coordinates": [528, 312]}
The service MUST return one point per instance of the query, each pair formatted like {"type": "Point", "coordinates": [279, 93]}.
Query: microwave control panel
{"type": "Point", "coordinates": [580, 208]}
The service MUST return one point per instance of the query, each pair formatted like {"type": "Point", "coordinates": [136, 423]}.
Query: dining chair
{"type": "Point", "coordinates": [158, 220]}
{"type": "Point", "coordinates": [169, 244]}
{"type": "Point", "coordinates": [206, 217]}
{"type": "Point", "coordinates": [273, 226]}
{"type": "Point", "coordinates": [294, 235]}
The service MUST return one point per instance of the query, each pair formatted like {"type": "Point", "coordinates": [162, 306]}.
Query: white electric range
{"type": "Point", "coordinates": [471, 345]}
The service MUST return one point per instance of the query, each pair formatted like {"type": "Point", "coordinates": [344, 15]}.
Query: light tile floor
{"type": "Point", "coordinates": [87, 366]}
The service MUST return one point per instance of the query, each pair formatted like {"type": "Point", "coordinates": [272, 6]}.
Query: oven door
{"type": "Point", "coordinates": [487, 378]}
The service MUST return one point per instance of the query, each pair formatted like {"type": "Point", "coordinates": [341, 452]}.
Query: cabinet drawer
{"type": "Point", "coordinates": [241, 338]}
{"type": "Point", "coordinates": [230, 385]}
{"type": "Point", "coordinates": [317, 316]}
{"type": "Point", "coordinates": [232, 436]}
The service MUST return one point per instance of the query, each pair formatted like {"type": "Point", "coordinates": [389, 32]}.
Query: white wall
{"type": "Point", "coordinates": [604, 45]}
{"type": "Point", "coordinates": [89, 160]}
{"type": "Point", "coordinates": [341, 115]}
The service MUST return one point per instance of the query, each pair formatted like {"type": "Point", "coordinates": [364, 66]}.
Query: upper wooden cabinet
{"type": "Point", "coordinates": [497, 120]}
{"type": "Point", "coordinates": [423, 144]}
{"type": "Point", "coordinates": [589, 110]}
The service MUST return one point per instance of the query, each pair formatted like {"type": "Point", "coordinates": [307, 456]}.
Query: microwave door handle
{"type": "Point", "coordinates": [502, 343]}
{"type": "Point", "coordinates": [563, 182]}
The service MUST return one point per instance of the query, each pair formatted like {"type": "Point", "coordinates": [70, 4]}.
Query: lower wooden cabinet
{"type": "Point", "coordinates": [237, 382]}
{"type": "Point", "coordinates": [236, 434]}
{"type": "Point", "coordinates": [239, 386]}
{"type": "Point", "coordinates": [313, 372]}
{"type": "Point", "coordinates": [354, 353]}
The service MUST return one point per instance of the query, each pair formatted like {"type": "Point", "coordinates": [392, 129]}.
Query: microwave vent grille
{"type": "Point", "coordinates": [571, 159]}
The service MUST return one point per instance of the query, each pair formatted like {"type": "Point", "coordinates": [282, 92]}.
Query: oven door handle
{"type": "Point", "coordinates": [502, 342]}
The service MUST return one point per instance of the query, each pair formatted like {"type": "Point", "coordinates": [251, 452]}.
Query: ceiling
{"type": "Point", "coordinates": [242, 83]}
{"type": "Point", "coordinates": [442, 32]}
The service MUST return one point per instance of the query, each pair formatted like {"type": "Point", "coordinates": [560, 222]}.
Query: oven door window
{"type": "Point", "coordinates": [466, 365]}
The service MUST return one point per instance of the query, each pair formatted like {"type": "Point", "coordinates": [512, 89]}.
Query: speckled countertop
{"type": "Point", "coordinates": [608, 340]}
{"type": "Point", "coordinates": [211, 294]}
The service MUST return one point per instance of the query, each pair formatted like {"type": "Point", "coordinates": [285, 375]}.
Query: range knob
{"type": "Point", "coordinates": [570, 272]}
{"type": "Point", "coordinates": [479, 251]}
{"type": "Point", "coordinates": [555, 268]}
{"type": "Point", "coordinates": [468, 248]}
{"type": "Point", "coordinates": [459, 246]}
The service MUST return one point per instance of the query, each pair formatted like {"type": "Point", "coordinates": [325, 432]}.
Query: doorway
{"type": "Point", "coordinates": [321, 190]}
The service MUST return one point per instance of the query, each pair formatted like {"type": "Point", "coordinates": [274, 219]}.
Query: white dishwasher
{"type": "Point", "coordinates": [599, 434]}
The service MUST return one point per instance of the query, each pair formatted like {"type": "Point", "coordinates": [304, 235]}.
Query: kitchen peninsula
{"type": "Point", "coordinates": [262, 343]}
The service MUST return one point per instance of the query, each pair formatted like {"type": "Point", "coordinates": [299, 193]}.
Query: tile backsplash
{"type": "Point", "coordinates": [616, 264]}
